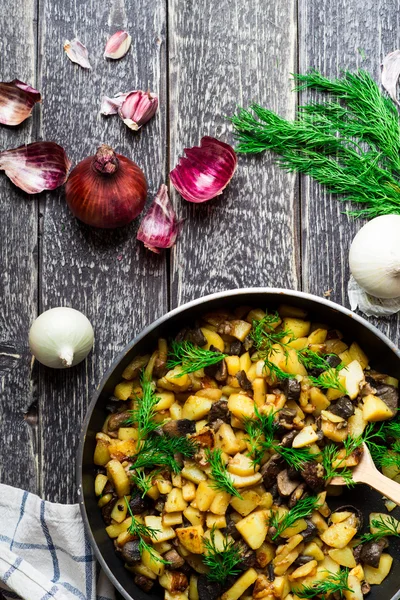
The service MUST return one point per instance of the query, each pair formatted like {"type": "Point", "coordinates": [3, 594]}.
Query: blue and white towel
{"type": "Point", "coordinates": [44, 551]}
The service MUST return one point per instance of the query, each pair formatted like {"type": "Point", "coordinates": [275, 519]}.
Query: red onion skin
{"type": "Point", "coordinates": [108, 199]}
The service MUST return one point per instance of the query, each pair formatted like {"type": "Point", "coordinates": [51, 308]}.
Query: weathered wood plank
{"type": "Point", "coordinates": [106, 274]}
{"type": "Point", "coordinates": [18, 263]}
{"type": "Point", "coordinates": [223, 55]}
{"type": "Point", "coordinates": [333, 36]}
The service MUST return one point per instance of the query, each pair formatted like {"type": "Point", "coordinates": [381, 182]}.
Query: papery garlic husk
{"type": "Point", "coordinates": [205, 171]}
{"type": "Point", "coordinates": [17, 100]}
{"type": "Point", "coordinates": [375, 257]}
{"type": "Point", "coordinates": [118, 45]}
{"type": "Point", "coordinates": [36, 167]}
{"type": "Point", "coordinates": [61, 337]}
{"type": "Point", "coordinates": [110, 106]}
{"type": "Point", "coordinates": [138, 108]}
{"type": "Point", "coordinates": [77, 53]}
{"type": "Point", "coordinates": [160, 227]}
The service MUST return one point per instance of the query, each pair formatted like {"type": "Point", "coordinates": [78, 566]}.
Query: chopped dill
{"type": "Point", "coordinates": [303, 508]}
{"type": "Point", "coordinates": [192, 358]}
{"type": "Point", "coordinates": [222, 481]}
{"type": "Point", "coordinates": [335, 583]}
{"type": "Point", "coordinates": [266, 337]}
{"type": "Point", "coordinates": [145, 412]}
{"type": "Point", "coordinates": [329, 380]}
{"type": "Point", "coordinates": [160, 451]}
{"type": "Point", "coordinates": [144, 482]}
{"type": "Point", "coordinates": [143, 531]}
{"type": "Point", "coordinates": [385, 526]}
{"type": "Point", "coordinates": [222, 563]}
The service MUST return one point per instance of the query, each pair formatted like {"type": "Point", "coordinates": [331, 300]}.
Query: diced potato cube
{"type": "Point", "coordinates": [175, 501]}
{"type": "Point", "coordinates": [193, 473]}
{"type": "Point", "coordinates": [306, 437]}
{"type": "Point", "coordinates": [247, 503]}
{"type": "Point", "coordinates": [331, 431]}
{"type": "Point", "coordinates": [375, 409]}
{"type": "Point", "coordinates": [166, 400]}
{"type": "Point", "coordinates": [119, 449]}
{"type": "Point", "coordinates": [176, 596]}
{"type": "Point", "coordinates": [178, 379]}
{"type": "Point", "coordinates": [241, 464]}
{"type": "Point", "coordinates": [99, 484]}
{"type": "Point", "coordinates": [175, 411]}
{"type": "Point", "coordinates": [188, 491]}
{"type": "Point", "coordinates": [232, 364]}
{"type": "Point", "coordinates": [343, 557]}
{"type": "Point", "coordinates": [114, 530]}
{"type": "Point", "coordinates": [128, 433]}
{"type": "Point", "coordinates": [318, 336]}
{"type": "Point", "coordinates": [253, 529]}
{"type": "Point", "coordinates": [357, 423]}
{"type": "Point", "coordinates": [312, 549]}
{"type": "Point", "coordinates": [193, 515]}
{"type": "Point", "coordinates": [153, 562]}
{"type": "Point", "coordinates": [226, 440]}
{"type": "Point", "coordinates": [335, 346]}
{"type": "Point", "coordinates": [104, 500]}
{"type": "Point", "coordinates": [141, 569]}
{"type": "Point", "coordinates": [123, 390]}
{"type": "Point", "coordinates": [162, 534]}
{"type": "Point", "coordinates": [354, 377]}
{"type": "Point", "coordinates": [217, 521]}
{"type": "Point", "coordinates": [118, 513]}
{"type": "Point", "coordinates": [171, 519]}
{"type": "Point", "coordinates": [193, 592]}
{"type": "Point", "coordinates": [345, 357]}
{"type": "Point", "coordinates": [205, 494]}
{"type": "Point", "coordinates": [242, 482]}
{"type": "Point", "coordinates": [386, 519]}
{"type": "Point", "coordinates": [164, 486]}
{"type": "Point", "coordinates": [338, 535]}
{"type": "Point", "coordinates": [101, 453]}
{"type": "Point", "coordinates": [196, 407]}
{"type": "Point", "coordinates": [298, 327]}
{"type": "Point", "coordinates": [358, 354]}
{"type": "Point", "coordinates": [240, 585]}
{"type": "Point", "coordinates": [297, 527]}
{"type": "Point", "coordinates": [116, 473]}
{"type": "Point", "coordinates": [265, 554]}
{"type": "Point", "coordinates": [355, 586]}
{"type": "Point", "coordinates": [259, 391]}
{"type": "Point", "coordinates": [191, 538]}
{"type": "Point", "coordinates": [245, 362]}
{"type": "Point", "coordinates": [241, 406]}
{"type": "Point", "coordinates": [281, 567]}
{"type": "Point", "coordinates": [304, 570]}
{"type": "Point", "coordinates": [376, 576]}
{"type": "Point", "coordinates": [319, 400]}
{"type": "Point", "coordinates": [220, 503]}
{"type": "Point", "coordinates": [213, 339]}
{"type": "Point", "coordinates": [339, 517]}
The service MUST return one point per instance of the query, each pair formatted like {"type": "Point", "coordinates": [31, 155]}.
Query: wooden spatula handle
{"type": "Point", "coordinates": [386, 486]}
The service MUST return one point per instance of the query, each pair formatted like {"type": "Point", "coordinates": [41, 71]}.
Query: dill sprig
{"type": "Point", "coordinates": [261, 432]}
{"type": "Point", "coordinates": [302, 509]}
{"type": "Point", "coordinates": [159, 451]}
{"type": "Point", "coordinates": [191, 357]}
{"type": "Point", "coordinates": [141, 531]}
{"type": "Point", "coordinates": [222, 481]}
{"type": "Point", "coordinates": [313, 360]}
{"type": "Point", "coordinates": [350, 145]}
{"type": "Point", "coordinates": [222, 563]}
{"type": "Point", "coordinates": [329, 380]}
{"type": "Point", "coordinates": [145, 412]}
{"type": "Point", "coordinates": [385, 527]}
{"type": "Point", "coordinates": [142, 481]}
{"type": "Point", "coordinates": [335, 583]}
{"type": "Point", "coordinates": [266, 337]}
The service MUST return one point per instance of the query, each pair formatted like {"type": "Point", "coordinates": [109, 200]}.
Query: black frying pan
{"type": "Point", "coordinates": [383, 355]}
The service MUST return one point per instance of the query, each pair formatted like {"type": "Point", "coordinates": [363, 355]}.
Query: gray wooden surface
{"type": "Point", "coordinates": [203, 59]}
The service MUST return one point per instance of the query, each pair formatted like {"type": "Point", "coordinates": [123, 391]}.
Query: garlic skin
{"type": "Point", "coordinates": [17, 100]}
{"type": "Point", "coordinates": [375, 257]}
{"type": "Point", "coordinates": [77, 53]}
{"type": "Point", "coordinates": [118, 45]}
{"type": "Point", "coordinates": [61, 337]}
{"type": "Point", "coordinates": [138, 108]}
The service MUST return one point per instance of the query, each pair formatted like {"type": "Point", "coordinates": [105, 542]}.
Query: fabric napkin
{"type": "Point", "coordinates": [44, 551]}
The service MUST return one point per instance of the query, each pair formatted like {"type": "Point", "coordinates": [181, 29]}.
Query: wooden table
{"type": "Point", "coordinates": [269, 228]}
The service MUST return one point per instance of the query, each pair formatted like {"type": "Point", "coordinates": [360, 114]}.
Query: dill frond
{"type": "Point", "coordinates": [302, 509]}
{"type": "Point", "coordinates": [144, 482]}
{"type": "Point", "coordinates": [329, 380]}
{"type": "Point", "coordinates": [335, 583]}
{"type": "Point", "coordinates": [295, 457]}
{"type": "Point", "coordinates": [159, 451]}
{"type": "Point", "coordinates": [222, 481]}
{"type": "Point", "coordinates": [266, 337]}
{"type": "Point", "coordinates": [222, 563]}
{"type": "Point", "coordinates": [385, 527]}
{"type": "Point", "coordinates": [141, 531]}
{"type": "Point", "coordinates": [192, 358]}
{"type": "Point", "coordinates": [145, 412]}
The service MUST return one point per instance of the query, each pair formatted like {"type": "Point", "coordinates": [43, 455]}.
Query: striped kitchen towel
{"type": "Point", "coordinates": [44, 551]}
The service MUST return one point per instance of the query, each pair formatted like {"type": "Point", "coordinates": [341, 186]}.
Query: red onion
{"type": "Point", "coordinates": [17, 100]}
{"type": "Point", "coordinates": [160, 227]}
{"type": "Point", "coordinates": [107, 190]}
{"type": "Point", "coordinates": [36, 167]}
{"type": "Point", "coordinates": [205, 171]}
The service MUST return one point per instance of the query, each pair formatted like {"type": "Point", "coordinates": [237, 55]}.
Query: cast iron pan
{"type": "Point", "coordinates": [382, 353]}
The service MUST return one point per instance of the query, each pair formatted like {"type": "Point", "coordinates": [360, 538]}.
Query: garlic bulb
{"type": "Point", "coordinates": [375, 257]}
{"type": "Point", "coordinates": [61, 337]}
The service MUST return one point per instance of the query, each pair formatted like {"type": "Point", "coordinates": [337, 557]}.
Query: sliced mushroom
{"type": "Point", "coordinates": [371, 552]}
{"type": "Point", "coordinates": [287, 440]}
{"type": "Point", "coordinates": [114, 405]}
{"type": "Point", "coordinates": [138, 504]}
{"type": "Point", "coordinates": [271, 572]}
{"type": "Point", "coordinates": [208, 590]}
{"type": "Point", "coordinates": [313, 474]}
{"type": "Point", "coordinates": [291, 388]}
{"type": "Point", "coordinates": [244, 383]}
{"type": "Point", "coordinates": [342, 408]}
{"type": "Point", "coordinates": [270, 470]}
{"type": "Point", "coordinates": [365, 588]}
{"type": "Point", "coordinates": [389, 395]}
{"type": "Point", "coordinates": [179, 428]}
{"type": "Point", "coordinates": [178, 582]}
{"type": "Point", "coordinates": [230, 529]}
{"type": "Point", "coordinates": [311, 531]}
{"type": "Point", "coordinates": [357, 553]}
{"type": "Point", "coordinates": [219, 410]}
{"type": "Point", "coordinates": [143, 582]}
{"type": "Point", "coordinates": [286, 485]}
{"type": "Point", "coordinates": [297, 495]}
{"type": "Point", "coordinates": [235, 348]}
{"type": "Point", "coordinates": [302, 560]}
{"type": "Point", "coordinates": [130, 552]}
{"type": "Point", "coordinates": [195, 336]}
{"type": "Point", "coordinates": [218, 371]}
{"type": "Point", "coordinates": [248, 557]}
{"type": "Point", "coordinates": [176, 561]}
{"type": "Point", "coordinates": [117, 420]}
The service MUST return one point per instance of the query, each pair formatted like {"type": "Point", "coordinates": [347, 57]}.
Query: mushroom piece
{"type": "Point", "coordinates": [244, 383]}
{"type": "Point", "coordinates": [286, 485]}
{"type": "Point", "coordinates": [195, 336]}
{"type": "Point", "coordinates": [271, 572]}
{"type": "Point", "coordinates": [371, 552]}
{"type": "Point", "coordinates": [353, 509]}
{"type": "Point", "coordinates": [176, 561]}
{"type": "Point", "coordinates": [365, 588]}
{"type": "Point", "coordinates": [130, 552]}
{"type": "Point", "coordinates": [235, 348]}
{"type": "Point", "coordinates": [138, 504]}
{"type": "Point", "coordinates": [219, 371]}
{"type": "Point", "coordinates": [357, 553]}
{"type": "Point", "coordinates": [106, 510]}
{"type": "Point", "coordinates": [287, 440]}
{"type": "Point", "coordinates": [179, 428]}
{"type": "Point", "coordinates": [143, 582]}
{"type": "Point", "coordinates": [313, 474]}
{"type": "Point", "coordinates": [113, 405]}
{"type": "Point", "coordinates": [248, 557]}
{"type": "Point", "coordinates": [219, 411]}
{"type": "Point", "coordinates": [342, 408]}
{"type": "Point", "coordinates": [117, 420]}
{"type": "Point", "coordinates": [230, 529]}
{"type": "Point", "coordinates": [270, 470]}
{"type": "Point", "coordinates": [291, 388]}
{"type": "Point", "coordinates": [297, 495]}
{"type": "Point", "coordinates": [302, 560]}
{"type": "Point", "coordinates": [208, 590]}
{"type": "Point", "coordinates": [389, 395]}
{"type": "Point", "coordinates": [309, 533]}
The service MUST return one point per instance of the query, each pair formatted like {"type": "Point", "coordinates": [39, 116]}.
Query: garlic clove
{"type": "Point", "coordinates": [110, 106]}
{"type": "Point", "coordinates": [138, 108]}
{"type": "Point", "coordinates": [17, 100]}
{"type": "Point", "coordinates": [118, 45]}
{"type": "Point", "coordinates": [36, 167]}
{"type": "Point", "coordinates": [77, 53]}
{"type": "Point", "coordinates": [205, 171]}
{"type": "Point", "coordinates": [160, 227]}
{"type": "Point", "coordinates": [390, 73]}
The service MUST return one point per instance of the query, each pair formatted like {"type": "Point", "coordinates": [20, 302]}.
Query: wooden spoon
{"type": "Point", "coordinates": [366, 472]}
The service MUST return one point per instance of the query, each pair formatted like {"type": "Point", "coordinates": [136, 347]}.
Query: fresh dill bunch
{"type": "Point", "coordinates": [159, 451]}
{"type": "Point", "coordinates": [191, 357]}
{"type": "Point", "coordinates": [303, 508]}
{"type": "Point", "coordinates": [385, 527]}
{"type": "Point", "coordinates": [350, 145]}
{"type": "Point", "coordinates": [222, 481]}
{"type": "Point", "coordinates": [222, 563]}
{"type": "Point", "coordinates": [145, 412]}
{"type": "Point", "coordinates": [330, 379]}
{"type": "Point", "coordinates": [142, 481]}
{"type": "Point", "coordinates": [141, 531]}
{"type": "Point", "coordinates": [335, 583]}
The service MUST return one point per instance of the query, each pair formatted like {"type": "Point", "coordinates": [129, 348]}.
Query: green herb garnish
{"type": "Point", "coordinates": [221, 479]}
{"type": "Point", "coordinates": [141, 531]}
{"type": "Point", "coordinates": [222, 563]}
{"type": "Point", "coordinates": [159, 451]}
{"type": "Point", "coordinates": [145, 412]}
{"type": "Point", "coordinates": [191, 357]}
{"type": "Point", "coordinates": [385, 527]}
{"type": "Point", "coordinates": [329, 380]}
{"type": "Point", "coordinates": [302, 509]}
{"type": "Point", "coordinates": [352, 145]}
{"type": "Point", "coordinates": [265, 338]}
{"type": "Point", "coordinates": [335, 583]}
{"type": "Point", "coordinates": [144, 482]}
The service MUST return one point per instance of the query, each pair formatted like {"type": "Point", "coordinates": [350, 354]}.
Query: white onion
{"type": "Point", "coordinates": [375, 257]}
{"type": "Point", "coordinates": [61, 337]}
